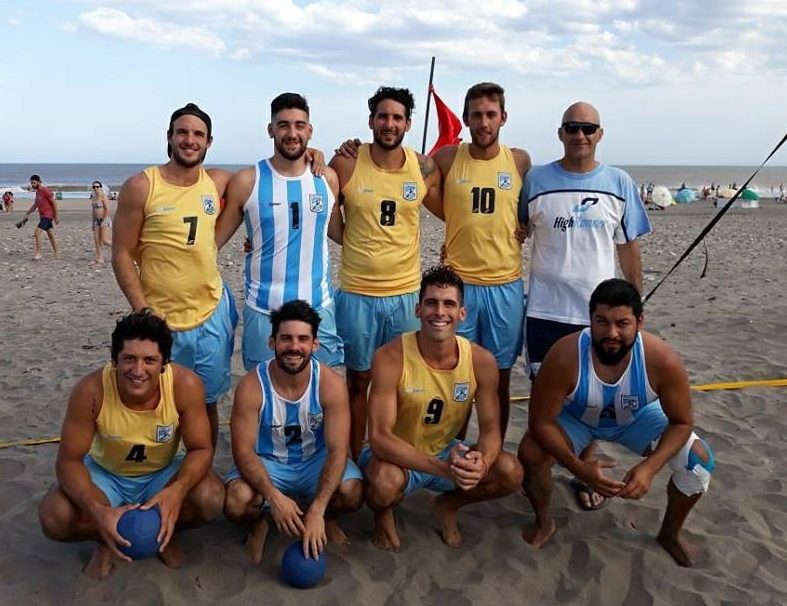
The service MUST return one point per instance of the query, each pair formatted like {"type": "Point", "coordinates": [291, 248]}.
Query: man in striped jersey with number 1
{"type": "Point", "coordinates": [289, 213]}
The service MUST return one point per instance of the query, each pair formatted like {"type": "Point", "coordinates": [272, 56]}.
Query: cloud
{"type": "Point", "coordinates": [117, 23]}
{"type": "Point", "coordinates": [14, 22]}
{"type": "Point", "coordinates": [626, 41]}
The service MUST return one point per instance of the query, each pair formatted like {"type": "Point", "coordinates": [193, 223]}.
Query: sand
{"type": "Point", "coordinates": [56, 319]}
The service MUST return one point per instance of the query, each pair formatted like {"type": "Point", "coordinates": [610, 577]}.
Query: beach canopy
{"type": "Point", "coordinates": [661, 197]}
{"type": "Point", "coordinates": [748, 194]}
{"type": "Point", "coordinates": [726, 192]}
{"type": "Point", "coordinates": [685, 195]}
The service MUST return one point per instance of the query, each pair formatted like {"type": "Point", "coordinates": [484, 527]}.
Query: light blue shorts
{"type": "Point", "coordinates": [495, 315]}
{"type": "Point", "coordinates": [416, 480]}
{"type": "Point", "coordinates": [207, 349]}
{"type": "Point", "coordinates": [637, 436]}
{"type": "Point", "coordinates": [300, 480]}
{"type": "Point", "coordinates": [366, 323]}
{"type": "Point", "coordinates": [122, 490]}
{"type": "Point", "coordinates": [257, 329]}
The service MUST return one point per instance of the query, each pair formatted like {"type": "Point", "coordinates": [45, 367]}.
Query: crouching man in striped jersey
{"type": "Point", "coordinates": [617, 383]}
{"type": "Point", "coordinates": [290, 441]}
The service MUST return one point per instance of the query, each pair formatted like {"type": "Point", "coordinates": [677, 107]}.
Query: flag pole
{"type": "Point", "coordinates": [428, 104]}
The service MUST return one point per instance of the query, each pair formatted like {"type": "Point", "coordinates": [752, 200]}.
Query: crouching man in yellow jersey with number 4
{"type": "Point", "coordinates": [120, 443]}
{"type": "Point", "coordinates": [423, 387]}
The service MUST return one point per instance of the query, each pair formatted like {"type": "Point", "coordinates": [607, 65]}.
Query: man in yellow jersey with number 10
{"type": "Point", "coordinates": [164, 253]}
{"type": "Point", "coordinates": [382, 191]}
{"type": "Point", "coordinates": [481, 185]}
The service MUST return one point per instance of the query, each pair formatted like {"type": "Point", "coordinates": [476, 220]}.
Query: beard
{"type": "Point", "coordinates": [380, 142]}
{"type": "Point", "coordinates": [281, 362]}
{"type": "Point", "coordinates": [493, 139]}
{"type": "Point", "coordinates": [612, 358]}
{"type": "Point", "coordinates": [180, 161]}
{"type": "Point", "coordinates": [290, 155]}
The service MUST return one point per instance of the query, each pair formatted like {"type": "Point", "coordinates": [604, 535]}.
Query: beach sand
{"type": "Point", "coordinates": [56, 319]}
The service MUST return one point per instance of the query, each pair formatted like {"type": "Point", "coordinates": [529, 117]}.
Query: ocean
{"type": "Point", "coordinates": [74, 180]}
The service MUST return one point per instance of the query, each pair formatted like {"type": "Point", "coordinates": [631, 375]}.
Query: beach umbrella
{"type": "Point", "coordinates": [685, 195]}
{"type": "Point", "coordinates": [726, 192]}
{"type": "Point", "coordinates": [661, 197]}
{"type": "Point", "coordinates": [748, 194]}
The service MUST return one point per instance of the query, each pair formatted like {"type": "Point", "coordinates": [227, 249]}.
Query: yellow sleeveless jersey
{"type": "Point", "coordinates": [433, 404]}
{"type": "Point", "coordinates": [177, 250]}
{"type": "Point", "coordinates": [135, 442]}
{"type": "Point", "coordinates": [480, 204]}
{"type": "Point", "coordinates": [381, 254]}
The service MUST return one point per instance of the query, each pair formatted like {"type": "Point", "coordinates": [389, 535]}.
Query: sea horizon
{"type": "Point", "coordinates": [76, 177]}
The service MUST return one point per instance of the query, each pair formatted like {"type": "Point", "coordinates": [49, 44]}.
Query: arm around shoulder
{"type": "Point", "coordinates": [522, 159]}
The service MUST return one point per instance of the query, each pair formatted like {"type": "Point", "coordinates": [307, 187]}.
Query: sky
{"type": "Point", "coordinates": [699, 82]}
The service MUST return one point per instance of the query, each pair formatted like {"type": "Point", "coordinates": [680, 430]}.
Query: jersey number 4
{"type": "Point", "coordinates": [137, 453]}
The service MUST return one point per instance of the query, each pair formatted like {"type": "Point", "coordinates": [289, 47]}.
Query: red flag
{"type": "Point", "coordinates": [448, 125]}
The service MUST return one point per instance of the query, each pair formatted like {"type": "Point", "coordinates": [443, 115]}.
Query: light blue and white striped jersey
{"type": "Point", "coordinates": [600, 404]}
{"type": "Point", "coordinates": [287, 223]}
{"type": "Point", "coordinates": [290, 431]}
{"type": "Point", "coordinates": [576, 220]}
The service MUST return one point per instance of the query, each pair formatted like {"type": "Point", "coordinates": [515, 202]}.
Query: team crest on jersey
{"type": "Point", "coordinates": [631, 402]}
{"type": "Point", "coordinates": [504, 180]}
{"type": "Point", "coordinates": [164, 433]}
{"type": "Point", "coordinates": [316, 204]}
{"type": "Point", "coordinates": [315, 421]}
{"type": "Point", "coordinates": [208, 204]}
{"type": "Point", "coordinates": [461, 392]}
{"type": "Point", "coordinates": [410, 190]}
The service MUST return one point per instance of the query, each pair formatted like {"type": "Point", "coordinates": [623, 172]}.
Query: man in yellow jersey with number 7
{"type": "Point", "coordinates": [164, 253]}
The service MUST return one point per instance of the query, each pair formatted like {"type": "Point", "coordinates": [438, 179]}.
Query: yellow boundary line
{"type": "Point", "coordinates": [702, 387]}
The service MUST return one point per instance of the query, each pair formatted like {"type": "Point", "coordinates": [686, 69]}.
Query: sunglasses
{"type": "Point", "coordinates": [96, 187]}
{"type": "Point", "coordinates": [587, 128]}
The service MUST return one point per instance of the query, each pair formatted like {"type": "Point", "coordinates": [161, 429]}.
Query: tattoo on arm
{"type": "Point", "coordinates": [427, 166]}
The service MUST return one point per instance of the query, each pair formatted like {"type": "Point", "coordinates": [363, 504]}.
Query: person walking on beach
{"type": "Point", "coordinates": [423, 387]}
{"type": "Point", "coordinates": [8, 201]}
{"type": "Point", "coordinates": [164, 253]}
{"type": "Point", "coordinates": [382, 191]}
{"type": "Point", "coordinates": [120, 444]}
{"type": "Point", "coordinates": [615, 382]}
{"type": "Point", "coordinates": [482, 181]}
{"type": "Point", "coordinates": [290, 440]}
{"type": "Point", "coordinates": [46, 206]}
{"type": "Point", "coordinates": [290, 213]}
{"type": "Point", "coordinates": [102, 224]}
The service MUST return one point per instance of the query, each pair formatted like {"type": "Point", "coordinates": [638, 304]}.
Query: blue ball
{"type": "Point", "coordinates": [140, 527]}
{"type": "Point", "coordinates": [299, 571]}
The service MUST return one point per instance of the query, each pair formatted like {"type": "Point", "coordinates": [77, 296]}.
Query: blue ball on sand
{"type": "Point", "coordinates": [140, 527]}
{"type": "Point", "coordinates": [299, 571]}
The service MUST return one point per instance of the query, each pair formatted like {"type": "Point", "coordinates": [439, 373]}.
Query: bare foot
{"type": "Point", "coordinates": [538, 536]}
{"type": "Point", "coordinates": [172, 556]}
{"type": "Point", "coordinates": [101, 563]}
{"type": "Point", "coordinates": [255, 543]}
{"type": "Point", "coordinates": [37, 257]}
{"type": "Point", "coordinates": [446, 518]}
{"type": "Point", "coordinates": [385, 535]}
{"type": "Point", "coordinates": [334, 533]}
{"type": "Point", "coordinates": [680, 550]}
